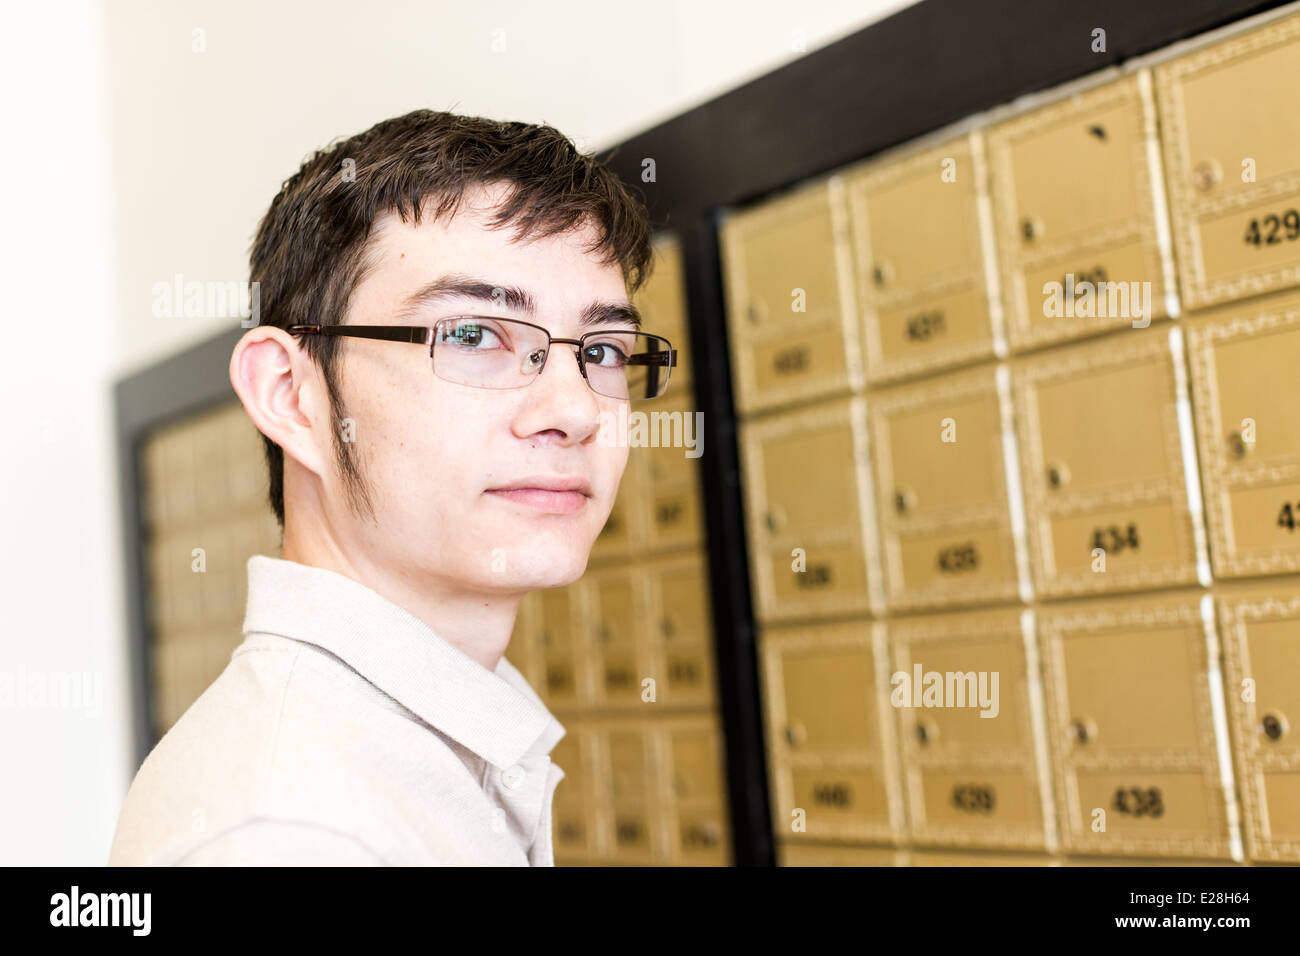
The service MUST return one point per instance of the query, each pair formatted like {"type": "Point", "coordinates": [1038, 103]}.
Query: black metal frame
{"type": "Point", "coordinates": [428, 335]}
{"type": "Point", "coordinates": [921, 69]}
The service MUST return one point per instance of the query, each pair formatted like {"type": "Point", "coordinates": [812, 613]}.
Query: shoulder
{"type": "Point", "coordinates": [290, 739]}
{"type": "Point", "coordinates": [270, 842]}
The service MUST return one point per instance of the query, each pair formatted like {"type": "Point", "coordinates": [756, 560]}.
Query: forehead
{"type": "Point", "coordinates": [560, 272]}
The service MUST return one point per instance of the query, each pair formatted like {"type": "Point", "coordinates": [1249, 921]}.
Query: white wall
{"type": "Point", "coordinates": [128, 157]}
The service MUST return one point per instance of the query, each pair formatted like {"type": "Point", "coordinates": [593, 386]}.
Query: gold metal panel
{"type": "Point", "coordinates": [1261, 644]}
{"type": "Point", "coordinates": [562, 647]}
{"type": "Point", "coordinates": [1232, 156]}
{"type": "Point", "coordinates": [1131, 727]}
{"type": "Point", "coordinates": [789, 298]}
{"type": "Point", "coordinates": [680, 632]}
{"type": "Point", "coordinates": [614, 609]}
{"type": "Point", "coordinates": [934, 858]}
{"type": "Point", "coordinates": [662, 303]}
{"type": "Point", "coordinates": [830, 733]}
{"type": "Point", "coordinates": [799, 853]}
{"type": "Point", "coordinates": [618, 535]}
{"type": "Point", "coordinates": [919, 256]}
{"type": "Point", "coordinates": [629, 799]}
{"type": "Point", "coordinates": [1244, 363]}
{"type": "Point", "coordinates": [961, 686]}
{"type": "Point", "coordinates": [1102, 467]}
{"type": "Point", "coordinates": [572, 809]}
{"type": "Point", "coordinates": [696, 800]}
{"type": "Point", "coordinates": [941, 494]}
{"type": "Point", "coordinates": [666, 463]}
{"type": "Point", "coordinates": [1073, 188]}
{"type": "Point", "coordinates": [806, 480]}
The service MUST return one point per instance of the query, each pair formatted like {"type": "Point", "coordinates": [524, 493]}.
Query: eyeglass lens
{"type": "Point", "coordinates": [502, 353]}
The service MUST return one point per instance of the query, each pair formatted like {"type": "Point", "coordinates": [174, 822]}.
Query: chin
{"type": "Point", "coordinates": [549, 567]}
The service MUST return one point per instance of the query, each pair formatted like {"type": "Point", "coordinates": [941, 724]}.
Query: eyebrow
{"type": "Point", "coordinates": [513, 298]}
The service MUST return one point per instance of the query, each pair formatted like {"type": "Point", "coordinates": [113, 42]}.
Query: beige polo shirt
{"type": "Point", "coordinates": [345, 731]}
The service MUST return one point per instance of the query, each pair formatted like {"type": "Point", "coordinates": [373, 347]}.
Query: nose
{"type": "Point", "coordinates": [560, 400]}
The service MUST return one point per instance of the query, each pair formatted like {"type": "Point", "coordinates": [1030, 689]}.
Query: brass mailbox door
{"type": "Point", "coordinates": [615, 614]}
{"type": "Point", "coordinates": [1261, 643]}
{"type": "Point", "coordinates": [562, 647]}
{"type": "Point", "coordinates": [1073, 193]}
{"type": "Point", "coordinates": [941, 494]}
{"type": "Point", "coordinates": [697, 819]}
{"type": "Point", "coordinates": [1232, 152]}
{"type": "Point", "coordinates": [620, 534]}
{"type": "Point", "coordinates": [1244, 384]}
{"type": "Point", "coordinates": [833, 766]}
{"type": "Point", "coordinates": [634, 811]}
{"type": "Point", "coordinates": [573, 807]}
{"type": "Point", "coordinates": [961, 688]}
{"type": "Point", "coordinates": [1131, 728]}
{"type": "Point", "coordinates": [1102, 465]}
{"type": "Point", "coordinates": [680, 631]}
{"type": "Point", "coordinates": [807, 500]}
{"type": "Point", "coordinates": [668, 443]}
{"type": "Point", "coordinates": [662, 303]}
{"type": "Point", "coordinates": [794, 853]}
{"type": "Point", "coordinates": [789, 299]}
{"type": "Point", "coordinates": [919, 248]}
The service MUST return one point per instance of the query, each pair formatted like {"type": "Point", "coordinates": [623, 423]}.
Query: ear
{"type": "Point", "coordinates": [280, 387]}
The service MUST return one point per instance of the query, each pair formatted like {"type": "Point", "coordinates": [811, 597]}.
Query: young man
{"type": "Point", "coordinates": [427, 474]}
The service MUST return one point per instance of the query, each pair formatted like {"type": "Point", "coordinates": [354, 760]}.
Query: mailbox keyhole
{"type": "Point", "coordinates": [1273, 726]}
{"type": "Point", "coordinates": [1082, 730]}
{"type": "Point", "coordinates": [1057, 475]}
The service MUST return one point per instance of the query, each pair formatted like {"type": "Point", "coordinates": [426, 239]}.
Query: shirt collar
{"type": "Point", "coordinates": [496, 715]}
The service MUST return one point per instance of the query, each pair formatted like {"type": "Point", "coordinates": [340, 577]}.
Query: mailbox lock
{"type": "Point", "coordinates": [1082, 730]}
{"type": "Point", "coordinates": [1207, 174]}
{"type": "Point", "coordinates": [882, 273]}
{"type": "Point", "coordinates": [796, 734]}
{"type": "Point", "coordinates": [755, 312]}
{"type": "Point", "coordinates": [1238, 445]}
{"type": "Point", "coordinates": [904, 500]}
{"type": "Point", "coordinates": [926, 732]}
{"type": "Point", "coordinates": [1273, 726]}
{"type": "Point", "coordinates": [602, 633]}
{"type": "Point", "coordinates": [774, 518]}
{"type": "Point", "coordinates": [1057, 475]}
{"type": "Point", "coordinates": [1031, 228]}
{"type": "Point", "coordinates": [666, 626]}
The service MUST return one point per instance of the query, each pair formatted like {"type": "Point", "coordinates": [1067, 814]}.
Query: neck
{"type": "Point", "coordinates": [479, 623]}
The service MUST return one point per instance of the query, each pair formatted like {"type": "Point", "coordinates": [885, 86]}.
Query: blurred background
{"type": "Point", "coordinates": [918, 458]}
{"type": "Point", "coordinates": [129, 158]}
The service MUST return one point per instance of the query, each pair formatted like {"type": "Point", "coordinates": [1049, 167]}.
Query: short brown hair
{"type": "Point", "coordinates": [310, 252]}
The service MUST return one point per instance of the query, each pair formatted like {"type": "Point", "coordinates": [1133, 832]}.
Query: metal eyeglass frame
{"type": "Point", "coordinates": [425, 335]}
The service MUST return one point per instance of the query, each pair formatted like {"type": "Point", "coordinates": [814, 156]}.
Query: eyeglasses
{"type": "Point", "coordinates": [490, 352]}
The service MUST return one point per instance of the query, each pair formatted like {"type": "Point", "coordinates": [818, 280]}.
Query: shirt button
{"type": "Point", "coordinates": [513, 776]}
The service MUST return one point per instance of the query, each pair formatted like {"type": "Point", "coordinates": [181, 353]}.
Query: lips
{"type": "Point", "coordinates": [550, 494]}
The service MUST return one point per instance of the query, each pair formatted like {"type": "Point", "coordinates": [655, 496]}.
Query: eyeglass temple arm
{"type": "Point", "coordinates": [391, 333]}
{"type": "Point", "coordinates": [666, 357]}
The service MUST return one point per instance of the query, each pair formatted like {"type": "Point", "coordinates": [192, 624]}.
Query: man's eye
{"type": "Point", "coordinates": [605, 353]}
{"type": "Point", "coordinates": [473, 336]}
